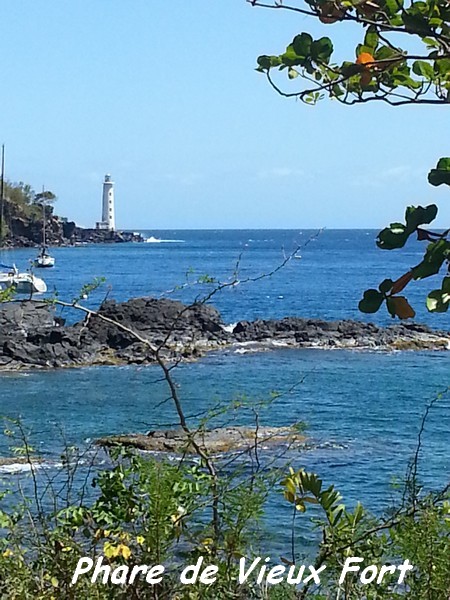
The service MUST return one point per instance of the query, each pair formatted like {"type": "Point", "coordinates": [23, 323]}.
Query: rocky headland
{"type": "Point", "coordinates": [33, 336]}
{"type": "Point", "coordinates": [27, 233]}
{"type": "Point", "coordinates": [22, 223]}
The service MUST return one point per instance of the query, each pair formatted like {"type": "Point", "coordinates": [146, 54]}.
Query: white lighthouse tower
{"type": "Point", "coordinates": [108, 211]}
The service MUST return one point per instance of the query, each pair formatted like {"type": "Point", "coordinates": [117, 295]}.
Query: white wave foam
{"type": "Point", "coordinates": [153, 240]}
{"type": "Point", "coordinates": [20, 467]}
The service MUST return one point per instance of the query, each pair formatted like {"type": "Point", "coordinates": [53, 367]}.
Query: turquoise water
{"type": "Point", "coordinates": [362, 409]}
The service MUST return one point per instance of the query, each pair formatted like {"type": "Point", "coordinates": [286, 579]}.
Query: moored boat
{"type": "Point", "coordinates": [12, 278]}
{"type": "Point", "coordinates": [21, 283]}
{"type": "Point", "coordinates": [44, 260]}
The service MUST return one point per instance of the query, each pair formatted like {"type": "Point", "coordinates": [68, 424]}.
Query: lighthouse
{"type": "Point", "coordinates": [108, 211]}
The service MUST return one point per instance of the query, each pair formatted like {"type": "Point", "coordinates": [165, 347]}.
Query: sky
{"type": "Point", "coordinates": [164, 96]}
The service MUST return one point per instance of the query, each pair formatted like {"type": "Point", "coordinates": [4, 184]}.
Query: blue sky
{"type": "Point", "coordinates": [164, 96]}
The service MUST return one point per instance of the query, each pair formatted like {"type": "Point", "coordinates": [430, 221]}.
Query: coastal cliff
{"type": "Point", "coordinates": [25, 233]}
{"type": "Point", "coordinates": [32, 336]}
{"type": "Point", "coordinates": [22, 224]}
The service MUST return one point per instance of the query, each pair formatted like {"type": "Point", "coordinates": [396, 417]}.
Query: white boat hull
{"type": "Point", "coordinates": [43, 262]}
{"type": "Point", "coordinates": [23, 283]}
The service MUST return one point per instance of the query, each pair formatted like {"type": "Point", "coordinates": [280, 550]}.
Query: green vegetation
{"type": "Point", "coordinates": [436, 257]}
{"type": "Point", "coordinates": [403, 58]}
{"type": "Point", "coordinates": [22, 203]}
{"type": "Point", "coordinates": [150, 512]}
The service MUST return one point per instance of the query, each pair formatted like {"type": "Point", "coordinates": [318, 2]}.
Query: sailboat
{"type": "Point", "coordinates": [44, 260]}
{"type": "Point", "coordinates": [20, 282]}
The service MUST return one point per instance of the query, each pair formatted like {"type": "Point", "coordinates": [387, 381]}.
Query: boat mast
{"type": "Point", "coordinates": [2, 189]}
{"type": "Point", "coordinates": [43, 220]}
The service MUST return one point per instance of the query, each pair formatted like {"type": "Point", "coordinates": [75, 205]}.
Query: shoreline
{"type": "Point", "coordinates": [80, 238]}
{"type": "Point", "coordinates": [33, 337]}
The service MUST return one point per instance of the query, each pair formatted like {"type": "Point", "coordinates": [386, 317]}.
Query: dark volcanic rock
{"type": "Point", "coordinates": [32, 336]}
{"type": "Point", "coordinates": [18, 320]}
{"type": "Point", "coordinates": [294, 331]}
{"type": "Point", "coordinates": [79, 235]}
{"type": "Point", "coordinates": [156, 319]}
{"type": "Point", "coordinates": [60, 232]}
{"type": "Point", "coordinates": [25, 227]}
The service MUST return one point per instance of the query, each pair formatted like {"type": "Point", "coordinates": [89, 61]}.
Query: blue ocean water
{"type": "Point", "coordinates": [363, 409]}
{"type": "Point", "coordinates": [336, 267]}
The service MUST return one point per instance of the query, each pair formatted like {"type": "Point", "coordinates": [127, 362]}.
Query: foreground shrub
{"type": "Point", "coordinates": [146, 511]}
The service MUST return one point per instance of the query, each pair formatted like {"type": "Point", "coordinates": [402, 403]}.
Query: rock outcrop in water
{"type": "Point", "coordinates": [221, 439]}
{"type": "Point", "coordinates": [31, 336]}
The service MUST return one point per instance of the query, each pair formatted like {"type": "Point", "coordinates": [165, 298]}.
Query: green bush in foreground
{"type": "Point", "coordinates": [150, 512]}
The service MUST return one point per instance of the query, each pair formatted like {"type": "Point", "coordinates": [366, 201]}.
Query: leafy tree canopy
{"type": "Point", "coordinates": [403, 56]}
{"type": "Point", "coordinates": [44, 197]}
{"type": "Point", "coordinates": [20, 201]}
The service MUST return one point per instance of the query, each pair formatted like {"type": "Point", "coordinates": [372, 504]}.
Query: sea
{"type": "Point", "coordinates": [362, 409]}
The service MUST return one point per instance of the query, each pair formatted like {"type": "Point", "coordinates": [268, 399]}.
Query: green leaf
{"type": "Point", "coordinates": [321, 50]}
{"type": "Point", "coordinates": [292, 73]}
{"type": "Point", "coordinates": [430, 42]}
{"type": "Point", "coordinates": [371, 301]}
{"type": "Point", "coordinates": [384, 53]}
{"type": "Point", "coordinates": [442, 66]}
{"type": "Point", "coordinates": [434, 257]}
{"type": "Point", "coordinates": [263, 62]}
{"type": "Point", "coordinates": [337, 90]}
{"type": "Point", "coordinates": [435, 22]}
{"type": "Point", "coordinates": [441, 174]}
{"type": "Point", "coordinates": [424, 69]}
{"type": "Point", "coordinates": [438, 301]}
{"type": "Point", "coordinates": [348, 69]}
{"type": "Point", "coordinates": [266, 62]}
{"type": "Point", "coordinates": [418, 215]}
{"type": "Point", "coordinates": [416, 24]}
{"type": "Point", "coordinates": [444, 163]}
{"type": "Point", "coordinates": [371, 39]}
{"type": "Point", "coordinates": [301, 44]}
{"type": "Point", "coordinates": [290, 58]}
{"type": "Point", "coordinates": [386, 286]}
{"type": "Point", "coordinates": [426, 269]}
{"type": "Point", "coordinates": [358, 514]}
{"type": "Point", "coordinates": [394, 236]}
{"type": "Point", "coordinates": [391, 7]}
